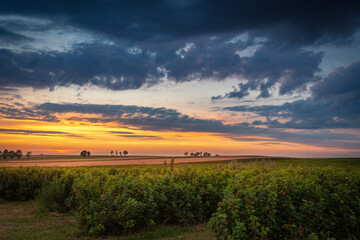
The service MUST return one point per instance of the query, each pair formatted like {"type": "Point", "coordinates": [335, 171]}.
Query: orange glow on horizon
{"type": "Point", "coordinates": [70, 137]}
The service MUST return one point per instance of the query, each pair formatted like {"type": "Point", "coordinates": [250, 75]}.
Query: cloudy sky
{"type": "Point", "coordinates": [278, 78]}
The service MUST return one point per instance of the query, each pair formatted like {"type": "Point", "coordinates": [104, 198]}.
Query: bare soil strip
{"type": "Point", "coordinates": [79, 159]}
{"type": "Point", "coordinates": [114, 162]}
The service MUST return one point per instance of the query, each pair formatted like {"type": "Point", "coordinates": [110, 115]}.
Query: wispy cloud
{"type": "Point", "coordinates": [38, 133]}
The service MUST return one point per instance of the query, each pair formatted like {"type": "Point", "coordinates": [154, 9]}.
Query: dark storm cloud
{"type": "Point", "coordinates": [119, 67]}
{"type": "Point", "coordinates": [139, 20]}
{"type": "Point", "coordinates": [99, 64]}
{"type": "Point", "coordinates": [273, 63]}
{"type": "Point", "coordinates": [153, 38]}
{"type": "Point", "coordinates": [335, 103]}
{"type": "Point", "coordinates": [8, 36]}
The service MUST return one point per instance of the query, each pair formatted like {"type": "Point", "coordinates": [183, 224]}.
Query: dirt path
{"type": "Point", "coordinates": [113, 161]}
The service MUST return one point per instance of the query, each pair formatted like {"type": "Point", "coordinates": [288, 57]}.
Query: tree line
{"type": "Point", "coordinates": [198, 154]}
{"type": "Point", "coordinates": [118, 153]}
{"type": "Point", "coordinates": [86, 153]}
{"type": "Point", "coordinates": [12, 154]}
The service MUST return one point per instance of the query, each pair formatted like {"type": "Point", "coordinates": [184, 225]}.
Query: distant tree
{"type": "Point", "coordinates": [192, 154]}
{"type": "Point", "coordinates": [5, 154]}
{"type": "Point", "coordinates": [207, 154]}
{"type": "Point", "coordinates": [18, 154]}
{"type": "Point", "coordinates": [28, 155]}
{"type": "Point", "coordinates": [83, 153]}
{"type": "Point", "coordinates": [125, 153]}
{"type": "Point", "coordinates": [88, 154]}
{"type": "Point", "coordinates": [112, 152]}
{"type": "Point", "coordinates": [116, 153]}
{"type": "Point", "coordinates": [186, 153]}
{"type": "Point", "coordinates": [12, 154]}
{"type": "Point", "coordinates": [120, 153]}
{"type": "Point", "coordinates": [0, 154]}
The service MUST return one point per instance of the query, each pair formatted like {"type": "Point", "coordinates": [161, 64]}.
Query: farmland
{"type": "Point", "coordinates": [75, 161]}
{"type": "Point", "coordinates": [225, 198]}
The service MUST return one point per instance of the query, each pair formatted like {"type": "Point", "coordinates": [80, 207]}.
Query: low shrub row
{"type": "Point", "coordinates": [119, 204]}
{"type": "Point", "coordinates": [19, 184]}
{"type": "Point", "coordinates": [292, 203]}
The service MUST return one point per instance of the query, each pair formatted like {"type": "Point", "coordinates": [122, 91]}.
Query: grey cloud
{"type": "Point", "coordinates": [112, 67]}
{"type": "Point", "coordinates": [273, 63]}
{"type": "Point", "coordinates": [335, 103]}
{"type": "Point", "coordinates": [102, 65]}
{"type": "Point", "coordinates": [300, 22]}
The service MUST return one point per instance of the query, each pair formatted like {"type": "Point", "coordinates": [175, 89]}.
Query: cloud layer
{"type": "Point", "coordinates": [139, 43]}
{"type": "Point", "coordinates": [169, 120]}
{"type": "Point", "coordinates": [335, 103]}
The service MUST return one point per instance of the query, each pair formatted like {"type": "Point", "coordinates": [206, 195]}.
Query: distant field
{"type": "Point", "coordinates": [75, 161]}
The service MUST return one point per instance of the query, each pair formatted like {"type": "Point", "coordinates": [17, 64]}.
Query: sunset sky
{"type": "Point", "coordinates": [279, 78]}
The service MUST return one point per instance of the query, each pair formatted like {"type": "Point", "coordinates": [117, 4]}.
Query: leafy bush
{"type": "Point", "coordinates": [24, 183]}
{"type": "Point", "coordinates": [57, 195]}
{"type": "Point", "coordinates": [122, 203]}
{"type": "Point", "coordinates": [289, 204]}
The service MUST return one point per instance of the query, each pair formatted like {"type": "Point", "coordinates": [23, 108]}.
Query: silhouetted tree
{"type": "Point", "coordinates": [18, 154]}
{"type": "Point", "coordinates": [0, 154]}
{"type": "Point", "coordinates": [83, 153]}
{"type": "Point", "coordinates": [88, 154]}
{"type": "Point", "coordinates": [120, 153]}
{"type": "Point", "coordinates": [5, 154]}
{"type": "Point", "coordinates": [112, 152]}
{"type": "Point", "coordinates": [116, 152]}
{"type": "Point", "coordinates": [125, 153]}
{"type": "Point", "coordinates": [186, 153]}
{"type": "Point", "coordinates": [12, 154]}
{"type": "Point", "coordinates": [28, 154]}
{"type": "Point", "coordinates": [207, 154]}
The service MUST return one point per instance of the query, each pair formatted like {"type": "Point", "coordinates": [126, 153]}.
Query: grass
{"type": "Point", "coordinates": [18, 220]}
{"type": "Point", "coordinates": [22, 220]}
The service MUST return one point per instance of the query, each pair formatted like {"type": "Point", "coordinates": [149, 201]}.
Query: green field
{"type": "Point", "coordinates": [242, 199]}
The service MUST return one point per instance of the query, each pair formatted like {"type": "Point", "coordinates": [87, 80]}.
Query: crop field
{"type": "Point", "coordinates": [224, 198]}
{"type": "Point", "coordinates": [75, 161]}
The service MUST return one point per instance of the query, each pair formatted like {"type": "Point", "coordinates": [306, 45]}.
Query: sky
{"type": "Point", "coordinates": [164, 77]}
